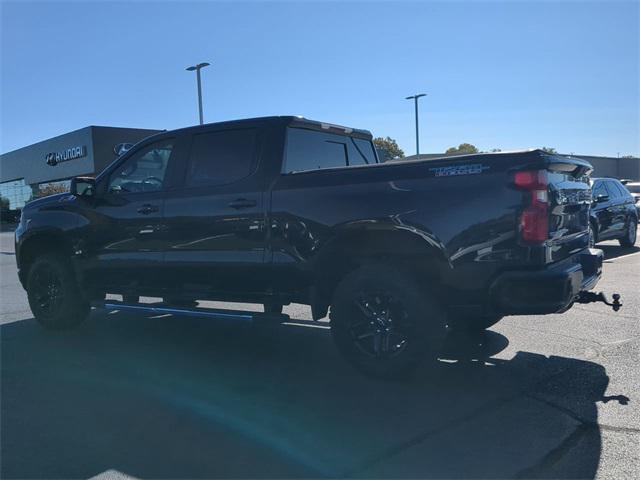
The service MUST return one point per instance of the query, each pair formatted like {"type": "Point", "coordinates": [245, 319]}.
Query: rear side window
{"type": "Point", "coordinates": [360, 152]}
{"type": "Point", "coordinates": [312, 150]}
{"type": "Point", "coordinates": [309, 150]}
{"type": "Point", "coordinates": [222, 157]}
{"type": "Point", "coordinates": [622, 191]}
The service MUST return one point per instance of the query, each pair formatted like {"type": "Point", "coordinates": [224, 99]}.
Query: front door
{"type": "Point", "coordinates": [124, 246]}
{"type": "Point", "coordinates": [216, 219]}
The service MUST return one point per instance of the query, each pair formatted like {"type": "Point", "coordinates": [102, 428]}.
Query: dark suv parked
{"type": "Point", "coordinates": [613, 213]}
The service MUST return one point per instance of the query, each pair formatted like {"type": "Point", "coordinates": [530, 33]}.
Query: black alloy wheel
{"type": "Point", "coordinates": [383, 327]}
{"type": "Point", "coordinates": [47, 291]}
{"type": "Point", "coordinates": [385, 322]}
{"type": "Point", "coordinates": [55, 299]}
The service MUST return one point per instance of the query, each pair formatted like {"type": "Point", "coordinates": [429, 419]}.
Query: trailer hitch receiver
{"type": "Point", "coordinates": [590, 297]}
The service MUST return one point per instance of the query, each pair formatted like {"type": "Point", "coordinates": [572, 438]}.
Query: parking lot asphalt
{"type": "Point", "coordinates": [554, 396]}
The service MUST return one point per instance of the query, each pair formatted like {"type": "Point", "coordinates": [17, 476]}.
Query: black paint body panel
{"type": "Point", "coordinates": [457, 216]}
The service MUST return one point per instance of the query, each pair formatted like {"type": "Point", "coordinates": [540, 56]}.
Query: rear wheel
{"type": "Point", "coordinates": [629, 239]}
{"type": "Point", "coordinates": [384, 322]}
{"type": "Point", "coordinates": [54, 295]}
{"type": "Point", "coordinates": [273, 308]}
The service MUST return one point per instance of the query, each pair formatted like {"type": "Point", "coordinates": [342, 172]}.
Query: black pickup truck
{"type": "Point", "coordinates": [284, 209]}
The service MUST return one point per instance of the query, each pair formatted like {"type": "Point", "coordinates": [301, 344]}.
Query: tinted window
{"type": "Point", "coordinates": [309, 150]}
{"type": "Point", "coordinates": [361, 152]}
{"type": "Point", "coordinates": [144, 171]}
{"type": "Point", "coordinates": [621, 191]}
{"type": "Point", "coordinates": [599, 189]}
{"type": "Point", "coordinates": [219, 158]}
{"type": "Point", "coordinates": [613, 189]}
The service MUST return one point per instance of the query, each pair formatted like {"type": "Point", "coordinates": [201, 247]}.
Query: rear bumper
{"type": "Point", "coordinates": [552, 289]}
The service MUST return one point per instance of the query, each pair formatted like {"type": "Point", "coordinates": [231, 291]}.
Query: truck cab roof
{"type": "Point", "coordinates": [285, 121]}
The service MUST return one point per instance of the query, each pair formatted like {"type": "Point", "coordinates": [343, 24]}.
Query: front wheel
{"type": "Point", "coordinates": [273, 308]}
{"type": "Point", "coordinates": [385, 322]}
{"type": "Point", "coordinates": [54, 295]}
{"type": "Point", "coordinates": [629, 239]}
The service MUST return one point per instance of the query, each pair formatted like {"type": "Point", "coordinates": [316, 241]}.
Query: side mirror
{"type": "Point", "coordinates": [602, 198]}
{"type": "Point", "coordinates": [83, 186]}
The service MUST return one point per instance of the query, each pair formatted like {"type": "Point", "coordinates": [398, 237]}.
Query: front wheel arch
{"type": "Point", "coordinates": [38, 244]}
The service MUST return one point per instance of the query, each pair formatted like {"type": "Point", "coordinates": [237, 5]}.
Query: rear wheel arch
{"type": "Point", "coordinates": [352, 249]}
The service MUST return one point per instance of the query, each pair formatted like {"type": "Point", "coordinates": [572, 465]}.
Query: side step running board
{"type": "Point", "coordinates": [213, 313]}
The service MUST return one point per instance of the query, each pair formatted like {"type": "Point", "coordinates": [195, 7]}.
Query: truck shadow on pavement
{"type": "Point", "coordinates": [615, 251]}
{"type": "Point", "coordinates": [188, 398]}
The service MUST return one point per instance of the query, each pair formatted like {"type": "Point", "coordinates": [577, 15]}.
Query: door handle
{"type": "Point", "coordinates": [242, 203]}
{"type": "Point", "coordinates": [146, 209]}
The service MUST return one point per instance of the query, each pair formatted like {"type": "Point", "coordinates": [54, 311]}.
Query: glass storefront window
{"type": "Point", "coordinates": [16, 192]}
{"type": "Point", "coordinates": [52, 188]}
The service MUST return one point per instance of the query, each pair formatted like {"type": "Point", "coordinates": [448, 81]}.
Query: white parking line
{"type": "Point", "coordinates": [624, 256]}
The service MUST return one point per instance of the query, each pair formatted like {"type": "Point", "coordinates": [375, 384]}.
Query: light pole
{"type": "Point", "coordinates": [197, 68]}
{"type": "Point", "coordinates": [415, 100]}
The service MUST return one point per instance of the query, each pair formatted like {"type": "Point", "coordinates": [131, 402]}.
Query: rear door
{"type": "Point", "coordinates": [215, 237]}
{"type": "Point", "coordinates": [603, 209]}
{"type": "Point", "coordinates": [621, 202]}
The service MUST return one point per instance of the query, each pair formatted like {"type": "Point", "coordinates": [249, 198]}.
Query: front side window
{"type": "Point", "coordinates": [222, 157]}
{"type": "Point", "coordinates": [599, 189]}
{"type": "Point", "coordinates": [144, 171]}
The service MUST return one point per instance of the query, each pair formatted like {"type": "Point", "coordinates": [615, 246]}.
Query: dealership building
{"type": "Point", "coordinates": [28, 172]}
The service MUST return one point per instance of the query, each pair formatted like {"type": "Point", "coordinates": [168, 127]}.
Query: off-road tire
{"type": "Point", "coordinates": [273, 308]}
{"type": "Point", "coordinates": [629, 239]}
{"type": "Point", "coordinates": [55, 298]}
{"type": "Point", "coordinates": [415, 316]}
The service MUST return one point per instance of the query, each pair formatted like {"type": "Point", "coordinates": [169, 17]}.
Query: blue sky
{"type": "Point", "coordinates": [498, 74]}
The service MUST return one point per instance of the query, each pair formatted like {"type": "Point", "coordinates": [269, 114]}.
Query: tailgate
{"type": "Point", "coordinates": [569, 192]}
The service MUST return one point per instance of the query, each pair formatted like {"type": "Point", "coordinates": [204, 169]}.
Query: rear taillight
{"type": "Point", "coordinates": [534, 221]}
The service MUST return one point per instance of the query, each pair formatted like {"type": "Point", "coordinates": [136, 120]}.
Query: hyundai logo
{"type": "Point", "coordinates": [122, 148]}
{"type": "Point", "coordinates": [51, 159]}
{"type": "Point", "coordinates": [54, 158]}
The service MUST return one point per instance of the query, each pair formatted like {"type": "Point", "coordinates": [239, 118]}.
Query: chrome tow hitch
{"type": "Point", "coordinates": [590, 297]}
